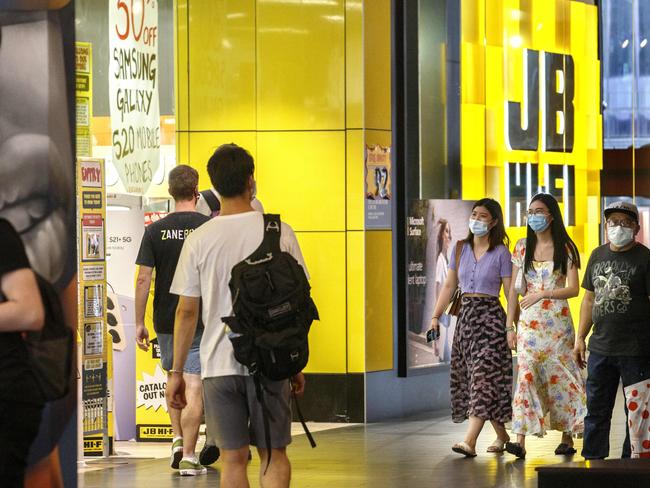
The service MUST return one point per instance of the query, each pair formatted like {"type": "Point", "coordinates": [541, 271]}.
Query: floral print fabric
{"type": "Point", "coordinates": [550, 390]}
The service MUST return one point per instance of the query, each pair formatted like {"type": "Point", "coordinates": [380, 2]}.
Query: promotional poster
{"type": "Point", "coordinates": [433, 229]}
{"type": "Point", "coordinates": [378, 187]}
{"type": "Point", "coordinates": [151, 416]}
{"type": "Point", "coordinates": [37, 132]}
{"type": "Point", "coordinates": [133, 92]}
{"type": "Point", "coordinates": [84, 88]}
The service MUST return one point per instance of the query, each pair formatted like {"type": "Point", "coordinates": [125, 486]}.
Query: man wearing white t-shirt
{"type": "Point", "coordinates": [213, 207]}
{"type": "Point", "coordinates": [233, 414]}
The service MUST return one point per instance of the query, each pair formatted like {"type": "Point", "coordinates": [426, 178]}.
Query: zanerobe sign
{"type": "Point", "coordinates": [545, 116]}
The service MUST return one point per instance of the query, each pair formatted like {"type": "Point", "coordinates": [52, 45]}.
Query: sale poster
{"type": "Point", "coordinates": [92, 237]}
{"type": "Point", "coordinates": [133, 91]}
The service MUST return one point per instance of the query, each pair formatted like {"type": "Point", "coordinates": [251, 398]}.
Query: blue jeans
{"type": "Point", "coordinates": [193, 361]}
{"type": "Point", "coordinates": [603, 376]}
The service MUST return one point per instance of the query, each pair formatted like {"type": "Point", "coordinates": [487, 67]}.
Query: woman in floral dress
{"type": "Point", "coordinates": [550, 391]}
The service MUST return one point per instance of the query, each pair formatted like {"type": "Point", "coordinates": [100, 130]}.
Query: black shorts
{"type": "Point", "coordinates": [19, 424]}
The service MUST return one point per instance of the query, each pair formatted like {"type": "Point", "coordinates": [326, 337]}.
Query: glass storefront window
{"type": "Point", "coordinates": [439, 85]}
{"type": "Point", "coordinates": [618, 72]}
{"type": "Point", "coordinates": [625, 29]}
{"type": "Point", "coordinates": [92, 27]}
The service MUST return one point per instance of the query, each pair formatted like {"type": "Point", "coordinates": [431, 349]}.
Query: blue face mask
{"type": "Point", "coordinates": [478, 227]}
{"type": "Point", "coordinates": [538, 223]}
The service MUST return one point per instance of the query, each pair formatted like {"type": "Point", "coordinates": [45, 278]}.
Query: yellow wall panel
{"type": "Point", "coordinates": [472, 155]}
{"type": "Point", "coordinates": [374, 137]}
{"type": "Point", "coordinates": [472, 67]}
{"type": "Point", "coordinates": [379, 300]}
{"type": "Point", "coordinates": [284, 79]}
{"type": "Point", "coordinates": [300, 65]}
{"type": "Point", "coordinates": [493, 28]}
{"type": "Point", "coordinates": [377, 64]}
{"type": "Point", "coordinates": [324, 255]}
{"type": "Point", "coordinates": [302, 176]}
{"type": "Point", "coordinates": [181, 75]}
{"type": "Point", "coordinates": [203, 145]}
{"type": "Point", "coordinates": [354, 64]}
{"type": "Point", "coordinates": [222, 65]}
{"type": "Point", "coordinates": [473, 20]}
{"type": "Point", "coordinates": [182, 148]}
{"type": "Point", "coordinates": [356, 302]}
{"type": "Point", "coordinates": [354, 180]}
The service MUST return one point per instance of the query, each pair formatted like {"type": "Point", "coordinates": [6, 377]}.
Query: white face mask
{"type": "Point", "coordinates": [620, 236]}
{"type": "Point", "coordinates": [478, 227]}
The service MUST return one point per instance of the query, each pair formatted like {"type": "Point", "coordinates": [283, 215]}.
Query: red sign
{"type": "Point", "coordinates": [91, 174]}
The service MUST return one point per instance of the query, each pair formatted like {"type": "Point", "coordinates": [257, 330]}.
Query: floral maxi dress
{"type": "Point", "coordinates": [550, 390]}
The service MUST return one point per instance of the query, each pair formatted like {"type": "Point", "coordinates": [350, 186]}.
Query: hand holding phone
{"type": "Point", "coordinates": [433, 334]}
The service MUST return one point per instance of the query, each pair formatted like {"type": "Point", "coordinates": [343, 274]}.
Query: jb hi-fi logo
{"type": "Point", "coordinates": [545, 117]}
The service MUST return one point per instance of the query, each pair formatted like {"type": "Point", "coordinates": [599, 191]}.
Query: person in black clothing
{"type": "Point", "coordinates": [21, 402]}
{"type": "Point", "coordinates": [160, 249]}
{"type": "Point", "coordinates": [617, 303]}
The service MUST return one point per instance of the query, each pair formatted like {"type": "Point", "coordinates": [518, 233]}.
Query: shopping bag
{"type": "Point", "coordinates": [637, 397]}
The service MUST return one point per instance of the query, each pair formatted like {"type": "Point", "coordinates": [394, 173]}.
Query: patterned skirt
{"type": "Point", "coordinates": [481, 362]}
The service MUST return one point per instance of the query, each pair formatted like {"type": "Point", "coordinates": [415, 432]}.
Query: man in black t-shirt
{"type": "Point", "coordinates": [21, 402]}
{"type": "Point", "coordinates": [160, 249]}
{"type": "Point", "coordinates": [617, 303]}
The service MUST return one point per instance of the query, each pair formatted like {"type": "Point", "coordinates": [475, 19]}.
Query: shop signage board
{"type": "Point", "coordinates": [133, 91]}
{"type": "Point", "coordinates": [95, 341]}
{"type": "Point", "coordinates": [530, 113]}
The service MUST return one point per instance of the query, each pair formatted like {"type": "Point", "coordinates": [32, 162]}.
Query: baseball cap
{"type": "Point", "coordinates": [624, 207]}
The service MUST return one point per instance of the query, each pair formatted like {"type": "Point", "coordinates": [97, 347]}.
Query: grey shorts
{"type": "Point", "coordinates": [233, 415]}
{"type": "Point", "coordinates": [193, 361]}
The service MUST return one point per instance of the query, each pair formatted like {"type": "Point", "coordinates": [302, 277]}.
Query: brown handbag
{"type": "Point", "coordinates": [454, 304]}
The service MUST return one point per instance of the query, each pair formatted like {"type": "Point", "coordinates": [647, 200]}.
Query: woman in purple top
{"type": "Point", "coordinates": [481, 362]}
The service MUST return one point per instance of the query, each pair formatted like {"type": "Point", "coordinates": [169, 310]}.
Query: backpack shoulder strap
{"type": "Point", "coordinates": [212, 200]}
{"type": "Point", "coordinates": [272, 232]}
{"type": "Point", "coordinates": [271, 242]}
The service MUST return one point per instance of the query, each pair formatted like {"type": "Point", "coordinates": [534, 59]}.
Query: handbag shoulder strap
{"type": "Point", "coordinates": [523, 255]}
{"type": "Point", "coordinates": [459, 251]}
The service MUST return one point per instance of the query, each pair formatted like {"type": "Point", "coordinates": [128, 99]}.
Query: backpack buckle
{"type": "Point", "coordinates": [272, 226]}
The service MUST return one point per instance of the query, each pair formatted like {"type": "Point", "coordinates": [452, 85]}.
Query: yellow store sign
{"type": "Point", "coordinates": [530, 117]}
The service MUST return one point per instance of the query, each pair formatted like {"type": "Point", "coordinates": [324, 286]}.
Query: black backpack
{"type": "Point", "coordinates": [272, 313]}
{"type": "Point", "coordinates": [51, 348]}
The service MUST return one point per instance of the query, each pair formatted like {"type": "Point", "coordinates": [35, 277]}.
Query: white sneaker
{"type": "Point", "coordinates": [188, 467]}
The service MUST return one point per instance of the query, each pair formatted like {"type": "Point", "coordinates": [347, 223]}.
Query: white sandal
{"type": "Point", "coordinates": [497, 446]}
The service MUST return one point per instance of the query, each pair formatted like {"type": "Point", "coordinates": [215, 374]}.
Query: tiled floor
{"type": "Point", "coordinates": [128, 452]}
{"type": "Point", "coordinates": [412, 452]}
